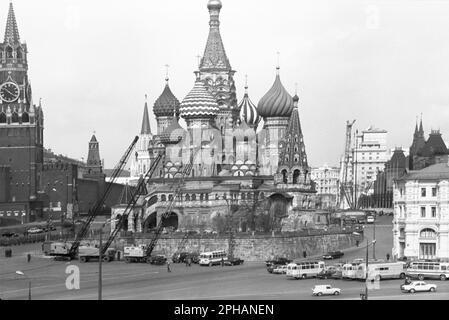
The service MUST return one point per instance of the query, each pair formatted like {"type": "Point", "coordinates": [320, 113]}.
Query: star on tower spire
{"type": "Point", "coordinates": [11, 31]}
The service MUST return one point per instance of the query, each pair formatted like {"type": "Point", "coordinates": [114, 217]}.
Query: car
{"type": "Point", "coordinates": [327, 289]}
{"type": "Point", "coordinates": [416, 286]}
{"type": "Point", "coordinates": [278, 261]}
{"type": "Point", "coordinates": [280, 269]}
{"type": "Point", "coordinates": [158, 260]}
{"type": "Point", "coordinates": [370, 219]}
{"type": "Point", "coordinates": [327, 273]}
{"type": "Point", "coordinates": [180, 257]}
{"type": "Point", "coordinates": [35, 230]}
{"type": "Point", "coordinates": [333, 255]}
{"type": "Point", "coordinates": [233, 262]}
{"type": "Point", "coordinates": [10, 235]}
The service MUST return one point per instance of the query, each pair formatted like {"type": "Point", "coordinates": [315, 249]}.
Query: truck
{"type": "Point", "coordinates": [136, 254]}
{"type": "Point", "coordinates": [87, 253]}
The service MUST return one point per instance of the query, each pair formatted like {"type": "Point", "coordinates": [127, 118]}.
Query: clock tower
{"type": "Point", "coordinates": [21, 122]}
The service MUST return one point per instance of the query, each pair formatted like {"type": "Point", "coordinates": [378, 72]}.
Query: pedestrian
{"type": "Point", "coordinates": [222, 262]}
{"type": "Point", "coordinates": [168, 265]}
{"type": "Point", "coordinates": [304, 254]}
{"type": "Point", "coordinates": [28, 258]}
{"type": "Point", "coordinates": [186, 260]}
{"type": "Point", "coordinates": [189, 261]}
{"type": "Point", "coordinates": [357, 243]}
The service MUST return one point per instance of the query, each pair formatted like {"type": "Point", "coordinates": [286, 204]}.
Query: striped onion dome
{"type": "Point", "coordinates": [248, 111]}
{"type": "Point", "coordinates": [173, 134]}
{"type": "Point", "coordinates": [277, 102]}
{"type": "Point", "coordinates": [199, 103]}
{"type": "Point", "coordinates": [166, 104]}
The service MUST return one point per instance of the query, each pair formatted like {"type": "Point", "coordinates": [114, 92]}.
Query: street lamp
{"type": "Point", "coordinates": [366, 267]}
{"type": "Point", "coordinates": [20, 273]}
{"type": "Point", "coordinates": [100, 260]}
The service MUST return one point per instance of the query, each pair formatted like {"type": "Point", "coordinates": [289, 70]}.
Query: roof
{"type": "Point", "coordinates": [146, 129]}
{"type": "Point", "coordinates": [248, 111]}
{"type": "Point", "coordinates": [434, 145]}
{"type": "Point", "coordinates": [166, 104]}
{"type": "Point", "coordinates": [123, 173]}
{"type": "Point", "coordinates": [214, 57]}
{"type": "Point", "coordinates": [11, 31]}
{"type": "Point", "coordinates": [437, 171]}
{"type": "Point", "coordinates": [277, 102]}
{"type": "Point", "coordinates": [199, 103]}
{"type": "Point", "coordinates": [174, 133]}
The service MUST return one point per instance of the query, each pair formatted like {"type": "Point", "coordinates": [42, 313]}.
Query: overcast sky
{"type": "Point", "coordinates": [380, 62]}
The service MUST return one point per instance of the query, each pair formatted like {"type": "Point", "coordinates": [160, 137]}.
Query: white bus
{"type": "Point", "coordinates": [212, 258]}
{"type": "Point", "coordinates": [430, 270]}
{"type": "Point", "coordinates": [349, 270]}
{"type": "Point", "coordinates": [382, 270]}
{"type": "Point", "coordinates": [303, 270]}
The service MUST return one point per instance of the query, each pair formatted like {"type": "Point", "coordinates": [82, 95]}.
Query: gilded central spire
{"type": "Point", "coordinates": [214, 55]}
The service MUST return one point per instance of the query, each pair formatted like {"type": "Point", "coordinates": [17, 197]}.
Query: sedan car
{"type": "Point", "coordinates": [416, 286]}
{"type": "Point", "coordinates": [325, 290]}
{"type": "Point", "coordinates": [333, 255]}
{"type": "Point", "coordinates": [158, 260]}
{"type": "Point", "coordinates": [278, 261]}
{"type": "Point", "coordinates": [280, 270]}
{"type": "Point", "coordinates": [233, 262]}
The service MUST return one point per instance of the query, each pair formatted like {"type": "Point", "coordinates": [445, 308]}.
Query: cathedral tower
{"type": "Point", "coordinates": [216, 72]}
{"type": "Point", "coordinates": [21, 122]}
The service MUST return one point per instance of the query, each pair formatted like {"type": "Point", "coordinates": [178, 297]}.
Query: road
{"type": "Point", "coordinates": [250, 281]}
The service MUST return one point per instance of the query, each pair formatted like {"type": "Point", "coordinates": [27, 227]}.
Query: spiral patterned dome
{"type": "Point", "coordinates": [248, 111]}
{"type": "Point", "coordinates": [199, 103]}
{"type": "Point", "coordinates": [277, 102]}
{"type": "Point", "coordinates": [173, 134]}
{"type": "Point", "coordinates": [166, 104]}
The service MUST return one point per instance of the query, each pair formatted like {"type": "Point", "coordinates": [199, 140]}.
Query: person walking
{"type": "Point", "coordinates": [222, 262]}
{"type": "Point", "coordinates": [168, 265]}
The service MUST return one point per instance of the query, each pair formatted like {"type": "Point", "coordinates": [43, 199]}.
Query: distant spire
{"type": "Point", "coordinates": [146, 129]}
{"type": "Point", "coordinates": [421, 129]}
{"type": "Point", "coordinates": [11, 31]}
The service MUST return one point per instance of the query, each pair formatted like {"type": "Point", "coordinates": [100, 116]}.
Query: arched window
{"type": "Point", "coordinates": [25, 118]}
{"type": "Point", "coordinates": [9, 52]}
{"type": "Point", "coordinates": [296, 175]}
{"type": "Point", "coordinates": [207, 197]}
{"type": "Point", "coordinates": [163, 198]}
{"type": "Point", "coordinates": [243, 196]}
{"type": "Point", "coordinates": [15, 117]}
{"type": "Point", "coordinates": [193, 197]}
{"type": "Point", "coordinates": [187, 197]}
{"type": "Point", "coordinates": [19, 53]}
{"type": "Point", "coordinates": [2, 117]}
{"type": "Point", "coordinates": [284, 176]}
{"type": "Point", "coordinates": [170, 197]}
{"type": "Point", "coordinates": [201, 197]}
{"type": "Point", "coordinates": [427, 233]}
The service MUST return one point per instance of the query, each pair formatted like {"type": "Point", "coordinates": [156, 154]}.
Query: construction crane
{"type": "Point", "coordinates": [132, 203]}
{"type": "Point", "coordinates": [64, 250]}
{"type": "Point", "coordinates": [344, 186]}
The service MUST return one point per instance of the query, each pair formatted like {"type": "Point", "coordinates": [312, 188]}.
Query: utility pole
{"type": "Point", "coordinates": [374, 236]}
{"type": "Point", "coordinates": [100, 275]}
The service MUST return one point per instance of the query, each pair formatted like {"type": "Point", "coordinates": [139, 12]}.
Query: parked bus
{"type": "Point", "coordinates": [213, 258]}
{"type": "Point", "coordinates": [430, 270]}
{"type": "Point", "coordinates": [303, 270]}
{"type": "Point", "coordinates": [348, 271]}
{"type": "Point", "coordinates": [381, 270]}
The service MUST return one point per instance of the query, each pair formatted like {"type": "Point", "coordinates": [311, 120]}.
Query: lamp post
{"type": "Point", "coordinates": [100, 260]}
{"type": "Point", "coordinates": [374, 236]}
{"type": "Point", "coordinates": [20, 273]}
{"type": "Point", "coordinates": [366, 267]}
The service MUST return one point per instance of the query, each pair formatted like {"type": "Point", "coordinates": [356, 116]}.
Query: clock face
{"type": "Point", "coordinates": [9, 92]}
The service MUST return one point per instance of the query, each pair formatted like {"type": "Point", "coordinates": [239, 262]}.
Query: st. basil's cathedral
{"type": "Point", "coordinates": [237, 159]}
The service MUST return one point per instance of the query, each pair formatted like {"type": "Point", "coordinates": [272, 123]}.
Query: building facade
{"type": "Point", "coordinates": [327, 185]}
{"type": "Point", "coordinates": [421, 214]}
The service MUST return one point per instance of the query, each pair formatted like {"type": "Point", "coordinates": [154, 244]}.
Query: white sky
{"type": "Point", "coordinates": [92, 62]}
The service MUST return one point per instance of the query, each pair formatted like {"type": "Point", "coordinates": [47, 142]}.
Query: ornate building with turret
{"type": "Point", "coordinates": [238, 161]}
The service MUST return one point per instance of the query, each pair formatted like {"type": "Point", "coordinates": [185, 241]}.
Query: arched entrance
{"type": "Point", "coordinates": [150, 222]}
{"type": "Point", "coordinates": [278, 204]}
{"type": "Point", "coordinates": [171, 221]}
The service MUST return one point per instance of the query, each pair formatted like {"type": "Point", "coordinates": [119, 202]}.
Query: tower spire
{"type": "Point", "coordinates": [11, 31]}
{"type": "Point", "coordinates": [214, 57]}
{"type": "Point", "coordinates": [146, 129]}
{"type": "Point", "coordinates": [421, 129]}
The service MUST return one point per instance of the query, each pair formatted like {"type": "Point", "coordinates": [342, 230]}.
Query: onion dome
{"type": "Point", "coordinates": [166, 104]}
{"type": "Point", "coordinates": [214, 4]}
{"type": "Point", "coordinates": [199, 103]}
{"type": "Point", "coordinates": [277, 102]}
{"type": "Point", "coordinates": [248, 111]}
{"type": "Point", "coordinates": [173, 134]}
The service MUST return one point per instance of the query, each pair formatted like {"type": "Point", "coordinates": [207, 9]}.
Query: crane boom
{"type": "Point", "coordinates": [344, 194]}
{"type": "Point", "coordinates": [166, 214]}
{"type": "Point", "coordinates": [93, 212]}
{"type": "Point", "coordinates": [131, 204]}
